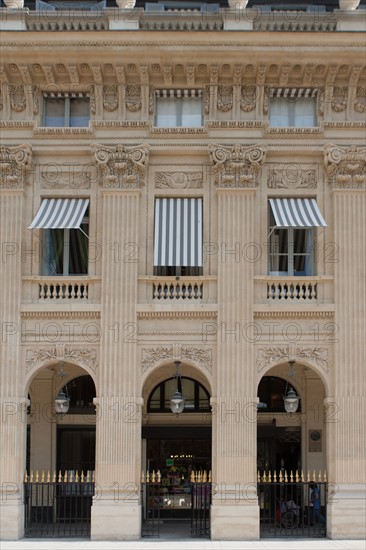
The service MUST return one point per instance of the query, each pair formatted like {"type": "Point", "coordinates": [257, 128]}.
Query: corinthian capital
{"type": "Point", "coordinates": [15, 162]}
{"type": "Point", "coordinates": [345, 166]}
{"type": "Point", "coordinates": [237, 166]}
{"type": "Point", "coordinates": [122, 167]}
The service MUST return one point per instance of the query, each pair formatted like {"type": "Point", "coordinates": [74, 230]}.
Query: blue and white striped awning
{"type": "Point", "coordinates": [296, 213]}
{"type": "Point", "coordinates": [178, 232]}
{"type": "Point", "coordinates": [60, 214]}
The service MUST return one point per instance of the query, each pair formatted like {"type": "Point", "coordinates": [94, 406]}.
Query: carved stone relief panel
{"type": "Point", "coordinates": [292, 176]}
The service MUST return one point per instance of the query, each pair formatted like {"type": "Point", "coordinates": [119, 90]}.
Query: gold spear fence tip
{"type": "Point", "coordinates": [284, 477]}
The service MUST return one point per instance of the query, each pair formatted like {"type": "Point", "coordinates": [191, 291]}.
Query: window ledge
{"type": "Point", "coordinates": [63, 131]}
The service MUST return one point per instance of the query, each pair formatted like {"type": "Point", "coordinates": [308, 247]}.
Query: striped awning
{"type": "Point", "coordinates": [178, 232]}
{"type": "Point", "coordinates": [60, 214]}
{"type": "Point", "coordinates": [296, 213]}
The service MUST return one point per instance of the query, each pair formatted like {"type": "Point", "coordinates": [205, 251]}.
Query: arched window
{"type": "Point", "coordinates": [271, 391]}
{"type": "Point", "coordinates": [197, 399]}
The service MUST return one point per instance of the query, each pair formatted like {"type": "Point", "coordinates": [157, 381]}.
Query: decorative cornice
{"type": "Point", "coordinates": [15, 163]}
{"type": "Point", "coordinates": [46, 315]}
{"type": "Point", "coordinates": [151, 356]}
{"type": "Point", "coordinates": [345, 166]}
{"type": "Point", "coordinates": [82, 356]}
{"type": "Point", "coordinates": [17, 123]}
{"type": "Point", "coordinates": [293, 314]}
{"type": "Point", "coordinates": [176, 315]}
{"type": "Point", "coordinates": [122, 167]}
{"type": "Point", "coordinates": [236, 166]}
{"type": "Point", "coordinates": [235, 124]}
{"type": "Point", "coordinates": [179, 131]}
{"type": "Point", "coordinates": [66, 133]}
{"type": "Point", "coordinates": [121, 123]}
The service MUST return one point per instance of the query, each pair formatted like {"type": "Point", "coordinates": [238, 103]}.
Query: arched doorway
{"type": "Point", "coordinates": [291, 453]}
{"type": "Point", "coordinates": [59, 482]}
{"type": "Point", "coordinates": [176, 450]}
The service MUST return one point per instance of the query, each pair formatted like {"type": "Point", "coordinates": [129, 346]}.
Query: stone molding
{"type": "Point", "coordinates": [237, 166]}
{"type": "Point", "coordinates": [60, 314]}
{"type": "Point", "coordinates": [345, 167]}
{"type": "Point", "coordinates": [151, 356]}
{"type": "Point", "coordinates": [86, 357]}
{"type": "Point", "coordinates": [15, 163]}
{"type": "Point", "coordinates": [176, 315]}
{"type": "Point", "coordinates": [122, 167]}
{"type": "Point", "coordinates": [294, 314]}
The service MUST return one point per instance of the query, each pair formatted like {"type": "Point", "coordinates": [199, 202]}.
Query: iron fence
{"type": "Point", "coordinates": [58, 508]}
{"type": "Point", "coordinates": [291, 506]}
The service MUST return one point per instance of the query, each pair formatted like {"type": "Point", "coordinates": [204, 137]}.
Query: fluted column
{"type": "Point", "coordinates": [14, 165]}
{"type": "Point", "coordinates": [345, 410]}
{"type": "Point", "coordinates": [118, 436]}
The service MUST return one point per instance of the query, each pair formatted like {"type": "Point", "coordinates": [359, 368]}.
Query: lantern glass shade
{"type": "Point", "coordinates": [177, 403]}
{"type": "Point", "coordinates": [291, 402]}
{"type": "Point", "coordinates": [62, 403]}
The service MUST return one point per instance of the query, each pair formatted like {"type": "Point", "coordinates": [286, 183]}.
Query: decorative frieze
{"type": "Point", "coordinates": [110, 97]}
{"type": "Point", "coordinates": [317, 355]}
{"type": "Point", "coordinates": [66, 176]}
{"type": "Point", "coordinates": [15, 162]}
{"type": "Point", "coordinates": [84, 357]}
{"type": "Point", "coordinates": [178, 180]}
{"type": "Point", "coordinates": [18, 100]}
{"type": "Point", "coordinates": [237, 166]}
{"type": "Point", "coordinates": [360, 101]}
{"type": "Point", "coordinates": [133, 97]}
{"type": "Point", "coordinates": [225, 98]}
{"type": "Point", "coordinates": [269, 355]}
{"type": "Point", "coordinates": [122, 167]}
{"type": "Point", "coordinates": [345, 166]}
{"type": "Point", "coordinates": [248, 98]}
{"type": "Point", "coordinates": [292, 176]}
{"type": "Point", "coordinates": [151, 356]}
{"type": "Point", "coordinates": [339, 99]}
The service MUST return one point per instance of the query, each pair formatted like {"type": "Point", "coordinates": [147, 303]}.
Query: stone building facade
{"type": "Point", "coordinates": [193, 143]}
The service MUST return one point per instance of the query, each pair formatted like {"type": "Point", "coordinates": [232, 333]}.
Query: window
{"type": "Point", "coordinates": [66, 111]}
{"type": "Point", "coordinates": [65, 224]}
{"type": "Point", "coordinates": [179, 108]}
{"type": "Point", "coordinates": [196, 397]}
{"type": "Point", "coordinates": [291, 236]}
{"type": "Point", "coordinates": [293, 108]}
{"type": "Point", "coordinates": [271, 391]}
{"type": "Point", "coordinates": [178, 237]}
{"type": "Point", "coordinates": [291, 251]}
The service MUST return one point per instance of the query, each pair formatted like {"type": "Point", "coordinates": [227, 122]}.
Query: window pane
{"type": "Point", "coordinates": [188, 393]}
{"type": "Point", "coordinates": [298, 113]}
{"type": "Point", "coordinates": [166, 112]}
{"type": "Point", "coordinates": [54, 112]}
{"type": "Point", "coordinates": [53, 251]}
{"type": "Point", "coordinates": [78, 251]}
{"type": "Point", "coordinates": [305, 112]}
{"type": "Point", "coordinates": [155, 399]}
{"type": "Point", "coordinates": [79, 111]}
{"type": "Point", "coordinates": [192, 112]}
{"type": "Point", "coordinates": [279, 112]}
